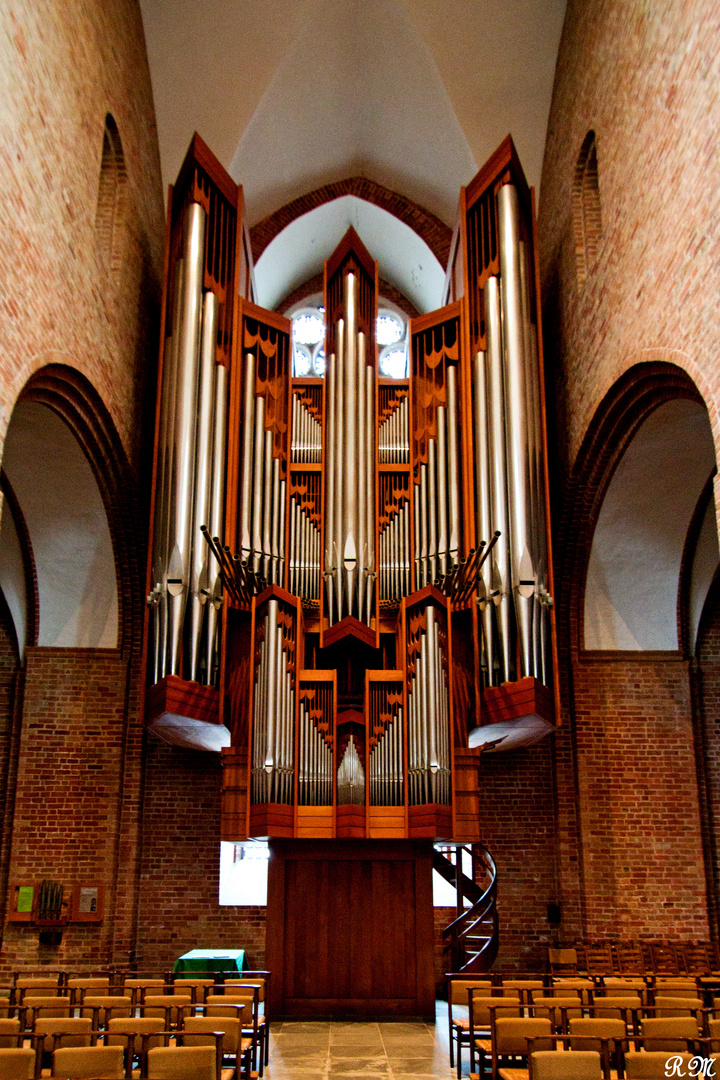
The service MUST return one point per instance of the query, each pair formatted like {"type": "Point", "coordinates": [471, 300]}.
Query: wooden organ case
{"type": "Point", "coordinates": [350, 579]}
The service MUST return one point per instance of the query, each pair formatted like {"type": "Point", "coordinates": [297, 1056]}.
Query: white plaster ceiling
{"type": "Point", "coordinates": [413, 94]}
{"type": "Point", "coordinates": [298, 252]}
{"type": "Point", "coordinates": [631, 592]}
{"type": "Point", "coordinates": [65, 518]}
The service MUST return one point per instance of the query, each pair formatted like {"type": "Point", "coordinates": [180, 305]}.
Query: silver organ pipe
{"type": "Point", "coordinates": [499, 562]}
{"type": "Point", "coordinates": [483, 515]}
{"type": "Point", "coordinates": [428, 718]}
{"type": "Point", "coordinates": [185, 419]}
{"type": "Point", "coordinates": [215, 523]}
{"type": "Point", "coordinates": [351, 777]}
{"type": "Point", "coordinates": [273, 714]}
{"type": "Point", "coordinates": [316, 730]}
{"type": "Point", "coordinates": [350, 543]}
{"type": "Point", "coordinates": [203, 465]}
{"type": "Point", "coordinates": [453, 464]}
{"type": "Point", "coordinates": [190, 475]}
{"type": "Point", "coordinates": [386, 756]}
{"type": "Point", "coordinates": [519, 485]}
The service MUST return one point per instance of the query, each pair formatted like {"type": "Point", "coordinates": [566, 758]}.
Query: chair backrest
{"type": "Point", "coordinates": [103, 1006]}
{"type": "Point", "coordinates": [17, 1063]}
{"type": "Point", "coordinates": [196, 988]}
{"type": "Point", "coordinates": [563, 959]}
{"type": "Point", "coordinates": [677, 1006]}
{"type": "Point", "coordinates": [614, 983]}
{"type": "Point", "coordinates": [37, 983]}
{"type": "Point", "coordinates": [43, 1006]}
{"type": "Point", "coordinates": [195, 1029]}
{"type": "Point", "coordinates": [458, 988]}
{"type": "Point", "coordinates": [234, 986]}
{"type": "Point", "coordinates": [183, 1063]}
{"type": "Point", "coordinates": [81, 1062]}
{"type": "Point", "coordinates": [668, 1032]}
{"type": "Point", "coordinates": [222, 1006]}
{"type": "Point", "coordinates": [99, 982]}
{"type": "Point", "coordinates": [560, 1065]}
{"type": "Point", "coordinates": [553, 1007]}
{"type": "Point", "coordinates": [600, 1027]}
{"type": "Point", "coordinates": [615, 1007]}
{"type": "Point", "coordinates": [9, 1030]}
{"type": "Point", "coordinates": [551, 991]}
{"type": "Point", "coordinates": [485, 1007]}
{"type": "Point", "coordinates": [509, 1034]}
{"type": "Point", "coordinates": [650, 1065]}
{"type": "Point", "coordinates": [74, 1031]}
{"type": "Point", "coordinates": [122, 1027]}
{"type": "Point", "coordinates": [157, 1005]}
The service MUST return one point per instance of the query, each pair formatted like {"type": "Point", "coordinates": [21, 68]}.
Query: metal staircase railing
{"type": "Point", "coordinates": [471, 940]}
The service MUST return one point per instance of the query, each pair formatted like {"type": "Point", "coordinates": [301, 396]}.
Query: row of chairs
{"type": "Point", "coordinates": [635, 958]}
{"type": "Point", "coordinates": [613, 1059]}
{"type": "Point", "coordinates": [198, 1052]}
{"type": "Point", "coordinates": [511, 1038]}
{"type": "Point", "coordinates": [565, 1000]}
{"type": "Point", "coordinates": [151, 1004]}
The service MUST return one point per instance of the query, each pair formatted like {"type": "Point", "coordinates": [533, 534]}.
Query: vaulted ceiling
{"type": "Point", "coordinates": [413, 94]}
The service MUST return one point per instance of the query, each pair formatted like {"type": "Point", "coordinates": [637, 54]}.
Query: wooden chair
{"type": "Point", "coordinates": [696, 959]}
{"type": "Point", "coordinates": [198, 989]}
{"type": "Point", "coordinates": [164, 1006]}
{"type": "Point", "coordinates": [668, 1033]}
{"type": "Point", "coordinates": [185, 1062]}
{"type": "Point", "coordinates": [523, 987]}
{"type": "Point", "coordinates": [630, 958]}
{"type": "Point", "coordinates": [102, 1007]}
{"type": "Point", "coordinates": [249, 996]}
{"type": "Point", "coordinates": [561, 1065]}
{"type": "Point", "coordinates": [650, 1065]}
{"type": "Point", "coordinates": [459, 1026]}
{"type": "Point", "coordinates": [79, 987]}
{"type": "Point", "coordinates": [664, 958]}
{"type": "Point", "coordinates": [9, 1031]}
{"type": "Point", "coordinates": [582, 988]}
{"type": "Point", "coordinates": [599, 958]}
{"type": "Point", "coordinates": [19, 1063]}
{"type": "Point", "coordinates": [33, 1007]}
{"type": "Point", "coordinates": [557, 1009]}
{"type": "Point", "coordinates": [200, 1031]}
{"type": "Point", "coordinates": [509, 1037]}
{"type": "Point", "coordinates": [563, 961]}
{"type": "Point", "coordinates": [482, 1012]}
{"type": "Point", "coordinates": [676, 1006]}
{"type": "Point", "coordinates": [89, 1063]}
{"type": "Point", "coordinates": [262, 978]}
{"type": "Point", "coordinates": [71, 1031]}
{"type": "Point", "coordinates": [137, 987]}
{"type": "Point", "coordinates": [591, 1032]}
{"type": "Point", "coordinates": [616, 1007]}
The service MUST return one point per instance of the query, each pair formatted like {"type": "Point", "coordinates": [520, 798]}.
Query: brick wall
{"type": "Point", "coordinates": [68, 791]}
{"type": "Point", "coordinates": [708, 682]}
{"type": "Point", "coordinates": [179, 880]}
{"type": "Point", "coordinates": [645, 78]}
{"type": "Point", "coordinates": [64, 67]}
{"type": "Point", "coordinates": [638, 800]}
{"type": "Point", "coordinates": [517, 825]}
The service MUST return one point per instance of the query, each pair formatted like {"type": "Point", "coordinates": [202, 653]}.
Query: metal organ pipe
{"type": "Point", "coordinates": [217, 501]}
{"type": "Point", "coordinates": [187, 358]}
{"type": "Point", "coordinates": [453, 463]}
{"type": "Point", "coordinates": [521, 566]}
{"type": "Point", "coordinates": [499, 569]}
{"type": "Point", "coordinates": [483, 518]}
{"type": "Point", "coordinates": [203, 464]}
{"type": "Point", "coordinates": [350, 468]}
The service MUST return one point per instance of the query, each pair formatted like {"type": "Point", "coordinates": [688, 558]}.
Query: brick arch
{"type": "Point", "coordinates": [74, 399]}
{"type": "Point", "coordinates": [436, 234]}
{"type": "Point", "coordinates": [637, 393]}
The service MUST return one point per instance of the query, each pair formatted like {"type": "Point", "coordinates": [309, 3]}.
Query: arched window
{"type": "Point", "coordinates": [110, 213]}
{"type": "Point", "coordinates": [586, 208]}
{"type": "Point", "coordinates": [308, 323]}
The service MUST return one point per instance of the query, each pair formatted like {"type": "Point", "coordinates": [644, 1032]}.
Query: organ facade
{"type": "Point", "coordinates": [350, 581]}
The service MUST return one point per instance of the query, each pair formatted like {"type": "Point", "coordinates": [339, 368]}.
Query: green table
{"type": "Point", "coordinates": [225, 960]}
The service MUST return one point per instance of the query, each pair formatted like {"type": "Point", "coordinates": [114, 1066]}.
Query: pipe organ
{"type": "Point", "coordinates": [349, 573]}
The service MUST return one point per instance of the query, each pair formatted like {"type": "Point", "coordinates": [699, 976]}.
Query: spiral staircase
{"type": "Point", "coordinates": [471, 940]}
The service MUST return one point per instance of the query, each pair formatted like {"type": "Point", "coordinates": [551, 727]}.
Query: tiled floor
{"type": "Point", "coordinates": [311, 1051]}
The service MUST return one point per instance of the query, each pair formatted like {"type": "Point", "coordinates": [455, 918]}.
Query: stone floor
{"type": "Point", "coordinates": [311, 1051]}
